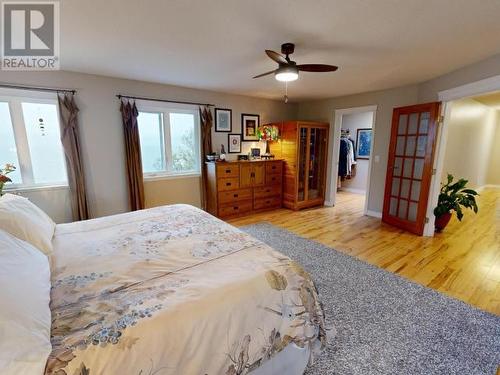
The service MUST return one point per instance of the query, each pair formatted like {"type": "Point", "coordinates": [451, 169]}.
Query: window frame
{"type": "Point", "coordinates": [14, 99]}
{"type": "Point", "coordinates": [165, 110]}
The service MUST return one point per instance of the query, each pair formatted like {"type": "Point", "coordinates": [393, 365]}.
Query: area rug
{"type": "Point", "coordinates": [385, 324]}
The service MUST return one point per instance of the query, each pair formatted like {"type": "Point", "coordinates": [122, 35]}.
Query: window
{"type": "Point", "coordinates": [169, 141]}
{"type": "Point", "coordinates": [30, 139]}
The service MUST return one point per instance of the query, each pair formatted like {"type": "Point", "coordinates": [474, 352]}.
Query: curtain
{"type": "Point", "coordinates": [133, 155]}
{"type": "Point", "coordinates": [206, 148]}
{"type": "Point", "coordinates": [71, 144]}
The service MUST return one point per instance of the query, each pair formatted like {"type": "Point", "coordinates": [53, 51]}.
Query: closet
{"type": "Point", "coordinates": [303, 146]}
{"type": "Point", "coordinates": [347, 158]}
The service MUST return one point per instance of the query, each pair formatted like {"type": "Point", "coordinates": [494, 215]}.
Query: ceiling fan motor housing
{"type": "Point", "coordinates": [287, 48]}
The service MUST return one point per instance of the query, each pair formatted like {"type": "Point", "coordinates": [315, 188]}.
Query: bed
{"type": "Point", "coordinates": [173, 290]}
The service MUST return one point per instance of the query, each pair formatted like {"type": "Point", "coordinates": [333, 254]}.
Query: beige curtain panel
{"type": "Point", "coordinates": [71, 143]}
{"type": "Point", "coordinates": [133, 155]}
{"type": "Point", "coordinates": [206, 122]}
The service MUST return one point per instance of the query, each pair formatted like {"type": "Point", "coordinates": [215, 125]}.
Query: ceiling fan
{"type": "Point", "coordinates": [288, 70]}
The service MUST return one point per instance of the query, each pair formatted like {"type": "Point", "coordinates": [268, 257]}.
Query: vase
{"type": "Point", "coordinates": [442, 221]}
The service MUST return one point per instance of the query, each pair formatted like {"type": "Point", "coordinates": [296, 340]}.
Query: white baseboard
{"type": "Point", "coordinates": [353, 190]}
{"type": "Point", "coordinates": [328, 203]}
{"type": "Point", "coordinates": [374, 214]}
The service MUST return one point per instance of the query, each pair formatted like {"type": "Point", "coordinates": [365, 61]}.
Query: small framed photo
{"type": "Point", "coordinates": [249, 126]}
{"type": "Point", "coordinates": [363, 143]}
{"type": "Point", "coordinates": [223, 120]}
{"type": "Point", "coordinates": [234, 143]}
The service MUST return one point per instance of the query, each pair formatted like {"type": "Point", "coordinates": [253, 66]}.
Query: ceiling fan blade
{"type": "Point", "coordinates": [317, 68]}
{"type": "Point", "coordinates": [265, 74]}
{"type": "Point", "coordinates": [276, 57]}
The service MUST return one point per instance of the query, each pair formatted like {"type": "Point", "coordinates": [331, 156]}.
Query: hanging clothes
{"type": "Point", "coordinates": [347, 159]}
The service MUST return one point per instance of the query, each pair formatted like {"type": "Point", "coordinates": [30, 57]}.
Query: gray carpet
{"type": "Point", "coordinates": [385, 324]}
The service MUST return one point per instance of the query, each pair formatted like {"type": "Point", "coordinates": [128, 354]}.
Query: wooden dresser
{"type": "Point", "coordinates": [242, 187]}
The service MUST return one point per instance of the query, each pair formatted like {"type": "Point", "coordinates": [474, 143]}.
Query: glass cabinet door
{"type": "Point", "coordinates": [302, 164]}
{"type": "Point", "coordinates": [316, 172]}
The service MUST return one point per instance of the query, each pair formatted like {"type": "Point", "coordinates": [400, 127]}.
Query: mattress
{"type": "Point", "coordinates": [173, 290]}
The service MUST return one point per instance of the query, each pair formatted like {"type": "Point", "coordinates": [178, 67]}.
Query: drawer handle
{"type": "Point", "coordinates": [274, 167]}
{"type": "Point", "coordinates": [228, 184]}
{"type": "Point", "coordinates": [267, 202]}
{"type": "Point", "coordinates": [235, 207]}
{"type": "Point", "coordinates": [228, 171]}
{"type": "Point", "coordinates": [235, 195]}
{"type": "Point", "coordinates": [268, 190]}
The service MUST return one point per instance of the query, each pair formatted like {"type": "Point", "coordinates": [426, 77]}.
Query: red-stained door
{"type": "Point", "coordinates": [409, 169]}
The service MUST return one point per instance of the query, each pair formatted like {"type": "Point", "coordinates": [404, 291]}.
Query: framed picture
{"type": "Point", "coordinates": [234, 143]}
{"type": "Point", "coordinates": [223, 120]}
{"type": "Point", "coordinates": [363, 143]}
{"type": "Point", "coordinates": [249, 126]}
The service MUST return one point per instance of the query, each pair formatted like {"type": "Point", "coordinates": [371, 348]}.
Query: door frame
{"type": "Point", "coordinates": [334, 168]}
{"type": "Point", "coordinates": [483, 86]}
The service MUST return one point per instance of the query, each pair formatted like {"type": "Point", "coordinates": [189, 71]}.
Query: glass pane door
{"type": "Point", "coordinates": [302, 163]}
{"type": "Point", "coordinates": [317, 154]}
{"type": "Point", "coordinates": [410, 166]}
{"type": "Point", "coordinates": [409, 157]}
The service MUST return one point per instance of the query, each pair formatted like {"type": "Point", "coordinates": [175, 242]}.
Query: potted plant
{"type": "Point", "coordinates": [9, 168]}
{"type": "Point", "coordinates": [453, 197]}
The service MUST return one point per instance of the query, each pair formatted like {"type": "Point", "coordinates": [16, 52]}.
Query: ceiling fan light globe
{"type": "Point", "coordinates": [287, 74]}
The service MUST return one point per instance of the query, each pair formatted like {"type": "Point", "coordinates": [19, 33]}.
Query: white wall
{"type": "Point", "coordinates": [102, 135]}
{"type": "Point", "coordinates": [353, 122]}
{"type": "Point", "coordinates": [471, 142]}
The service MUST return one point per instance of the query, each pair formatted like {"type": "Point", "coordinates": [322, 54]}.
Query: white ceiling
{"type": "Point", "coordinates": [219, 44]}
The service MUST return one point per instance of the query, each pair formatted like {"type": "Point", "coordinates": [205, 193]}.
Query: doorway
{"type": "Point", "coordinates": [354, 131]}
{"type": "Point", "coordinates": [489, 89]}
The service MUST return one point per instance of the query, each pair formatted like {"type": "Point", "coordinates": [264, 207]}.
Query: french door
{"type": "Point", "coordinates": [409, 169]}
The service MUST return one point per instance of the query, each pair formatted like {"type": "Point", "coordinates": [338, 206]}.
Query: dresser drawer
{"type": "Point", "coordinates": [273, 167]}
{"type": "Point", "coordinates": [270, 202]}
{"type": "Point", "coordinates": [235, 196]}
{"type": "Point", "coordinates": [267, 191]}
{"type": "Point", "coordinates": [228, 170]}
{"type": "Point", "coordinates": [224, 184]}
{"type": "Point", "coordinates": [235, 209]}
{"type": "Point", "coordinates": [273, 179]}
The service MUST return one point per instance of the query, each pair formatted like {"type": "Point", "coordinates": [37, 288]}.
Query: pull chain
{"type": "Point", "coordinates": [286, 92]}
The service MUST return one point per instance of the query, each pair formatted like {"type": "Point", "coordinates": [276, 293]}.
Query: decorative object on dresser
{"type": "Point", "coordinates": [303, 148]}
{"type": "Point", "coordinates": [249, 126]}
{"type": "Point", "coordinates": [268, 133]}
{"type": "Point", "coordinates": [222, 156]}
{"type": "Point", "coordinates": [234, 143]}
{"type": "Point", "coordinates": [242, 187]}
{"type": "Point", "coordinates": [223, 120]}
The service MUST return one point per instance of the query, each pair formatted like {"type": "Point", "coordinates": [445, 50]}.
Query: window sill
{"type": "Point", "coordinates": [29, 189]}
{"type": "Point", "coordinates": [159, 177]}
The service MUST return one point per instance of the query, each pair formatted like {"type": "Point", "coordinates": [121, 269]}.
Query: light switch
{"type": "Point", "coordinates": [377, 158]}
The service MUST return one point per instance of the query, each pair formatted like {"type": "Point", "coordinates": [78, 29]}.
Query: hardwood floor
{"type": "Point", "coordinates": [463, 261]}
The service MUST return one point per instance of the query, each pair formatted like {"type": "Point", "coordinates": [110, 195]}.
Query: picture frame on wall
{"type": "Point", "coordinates": [223, 120]}
{"type": "Point", "coordinates": [234, 143]}
{"type": "Point", "coordinates": [249, 125]}
{"type": "Point", "coordinates": [363, 143]}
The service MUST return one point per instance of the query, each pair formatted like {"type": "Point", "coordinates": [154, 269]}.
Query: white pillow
{"type": "Point", "coordinates": [24, 313]}
{"type": "Point", "coordinates": [23, 219]}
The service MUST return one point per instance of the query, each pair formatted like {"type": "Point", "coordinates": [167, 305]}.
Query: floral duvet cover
{"type": "Point", "coordinates": [173, 290]}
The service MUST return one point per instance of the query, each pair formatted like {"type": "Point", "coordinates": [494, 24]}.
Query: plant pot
{"type": "Point", "coordinates": [442, 221]}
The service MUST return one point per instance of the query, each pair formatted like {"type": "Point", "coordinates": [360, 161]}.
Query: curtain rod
{"type": "Point", "coordinates": [119, 96]}
{"type": "Point", "coordinates": [35, 88]}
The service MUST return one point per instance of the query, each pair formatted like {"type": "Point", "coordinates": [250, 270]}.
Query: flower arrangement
{"type": "Point", "coordinates": [8, 168]}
